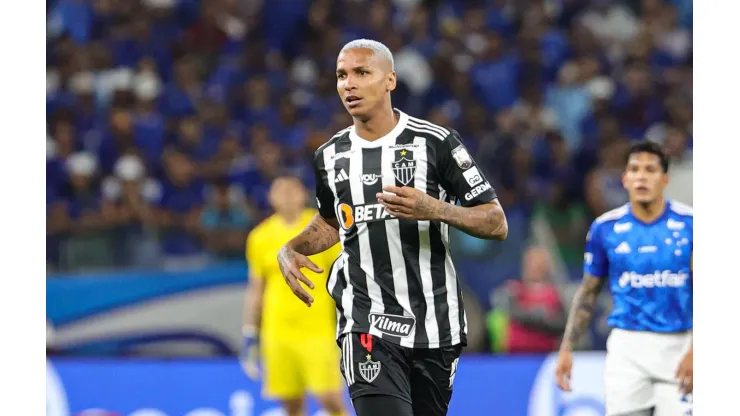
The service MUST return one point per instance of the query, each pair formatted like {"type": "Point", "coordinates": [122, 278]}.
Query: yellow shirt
{"type": "Point", "coordinates": [283, 314]}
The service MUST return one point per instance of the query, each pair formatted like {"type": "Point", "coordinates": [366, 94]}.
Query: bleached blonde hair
{"type": "Point", "coordinates": [375, 46]}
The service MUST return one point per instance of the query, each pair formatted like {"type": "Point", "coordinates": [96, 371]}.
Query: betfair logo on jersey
{"type": "Point", "coordinates": [666, 278]}
{"type": "Point", "coordinates": [396, 325]}
{"type": "Point", "coordinates": [348, 216]}
{"type": "Point", "coordinates": [477, 191]}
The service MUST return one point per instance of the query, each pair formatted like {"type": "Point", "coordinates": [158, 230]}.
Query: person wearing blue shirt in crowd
{"type": "Point", "coordinates": [495, 75]}
{"type": "Point", "coordinates": [255, 178]}
{"type": "Point", "coordinates": [178, 210]}
{"type": "Point", "coordinates": [643, 251]}
{"type": "Point", "coordinates": [83, 216]}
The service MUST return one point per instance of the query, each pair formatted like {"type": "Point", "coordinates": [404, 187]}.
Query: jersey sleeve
{"type": "Point", "coordinates": [324, 195]}
{"type": "Point", "coordinates": [254, 262]}
{"type": "Point", "coordinates": [595, 260]}
{"type": "Point", "coordinates": [460, 175]}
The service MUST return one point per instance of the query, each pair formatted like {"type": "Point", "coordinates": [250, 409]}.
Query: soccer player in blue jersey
{"type": "Point", "coordinates": [643, 252]}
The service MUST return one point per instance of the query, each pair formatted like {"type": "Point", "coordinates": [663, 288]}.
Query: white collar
{"type": "Point", "coordinates": [402, 120]}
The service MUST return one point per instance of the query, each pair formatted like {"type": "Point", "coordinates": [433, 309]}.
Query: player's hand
{"type": "Point", "coordinates": [249, 356]}
{"type": "Point", "coordinates": [291, 263]}
{"type": "Point", "coordinates": [685, 373]}
{"type": "Point", "coordinates": [563, 370]}
{"type": "Point", "coordinates": [410, 203]}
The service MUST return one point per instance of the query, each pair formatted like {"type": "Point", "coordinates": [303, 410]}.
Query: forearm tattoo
{"type": "Point", "coordinates": [429, 207]}
{"type": "Point", "coordinates": [315, 238]}
{"type": "Point", "coordinates": [484, 221]}
{"type": "Point", "coordinates": [582, 310]}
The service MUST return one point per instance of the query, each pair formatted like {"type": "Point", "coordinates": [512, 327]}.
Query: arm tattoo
{"type": "Point", "coordinates": [315, 238]}
{"type": "Point", "coordinates": [486, 221]}
{"type": "Point", "coordinates": [582, 310]}
{"type": "Point", "coordinates": [429, 207]}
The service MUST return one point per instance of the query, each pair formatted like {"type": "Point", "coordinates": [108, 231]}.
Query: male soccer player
{"type": "Point", "coordinates": [387, 188]}
{"type": "Point", "coordinates": [297, 346]}
{"type": "Point", "coordinates": [643, 251]}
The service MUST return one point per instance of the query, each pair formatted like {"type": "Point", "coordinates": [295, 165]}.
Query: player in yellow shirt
{"type": "Point", "coordinates": [296, 344]}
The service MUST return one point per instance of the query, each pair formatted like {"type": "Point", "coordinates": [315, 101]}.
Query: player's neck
{"type": "Point", "coordinates": [378, 125]}
{"type": "Point", "coordinates": [648, 212]}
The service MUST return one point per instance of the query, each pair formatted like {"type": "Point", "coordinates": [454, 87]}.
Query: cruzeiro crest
{"type": "Point", "coordinates": [404, 168]}
{"type": "Point", "coordinates": [370, 369]}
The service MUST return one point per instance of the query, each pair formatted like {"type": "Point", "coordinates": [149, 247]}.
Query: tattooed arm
{"type": "Point", "coordinates": [595, 275]}
{"type": "Point", "coordinates": [581, 313]}
{"type": "Point", "coordinates": [320, 235]}
{"type": "Point", "coordinates": [486, 221]}
{"type": "Point", "coordinates": [582, 310]}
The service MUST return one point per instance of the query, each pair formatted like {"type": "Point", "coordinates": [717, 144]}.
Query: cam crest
{"type": "Point", "coordinates": [370, 369]}
{"type": "Point", "coordinates": [404, 169]}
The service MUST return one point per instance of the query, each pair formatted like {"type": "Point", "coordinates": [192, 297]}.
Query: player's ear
{"type": "Point", "coordinates": [390, 83]}
{"type": "Point", "coordinates": [624, 180]}
{"type": "Point", "coordinates": [664, 181]}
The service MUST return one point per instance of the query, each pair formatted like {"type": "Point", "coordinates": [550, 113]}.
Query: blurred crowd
{"type": "Point", "coordinates": [167, 119]}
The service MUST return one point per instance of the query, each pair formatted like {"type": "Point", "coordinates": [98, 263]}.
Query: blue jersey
{"type": "Point", "coordinates": [648, 266]}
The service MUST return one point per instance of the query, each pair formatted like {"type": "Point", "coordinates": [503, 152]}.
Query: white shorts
{"type": "Point", "coordinates": [641, 372]}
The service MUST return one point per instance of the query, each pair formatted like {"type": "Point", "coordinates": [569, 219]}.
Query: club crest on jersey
{"type": "Point", "coordinates": [370, 369]}
{"type": "Point", "coordinates": [404, 169]}
{"type": "Point", "coordinates": [462, 157]}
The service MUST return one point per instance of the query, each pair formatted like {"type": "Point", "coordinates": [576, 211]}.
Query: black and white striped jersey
{"type": "Point", "coordinates": [395, 278]}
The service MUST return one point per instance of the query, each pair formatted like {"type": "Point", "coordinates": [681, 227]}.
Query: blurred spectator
{"type": "Point", "coordinates": [83, 217]}
{"type": "Point", "coordinates": [494, 74]}
{"type": "Point", "coordinates": [558, 203]}
{"type": "Point", "coordinates": [681, 170]}
{"type": "Point", "coordinates": [180, 97]}
{"type": "Point", "coordinates": [225, 221]}
{"type": "Point", "coordinates": [529, 316]}
{"type": "Point", "coordinates": [604, 190]}
{"type": "Point", "coordinates": [59, 146]}
{"type": "Point", "coordinates": [612, 23]}
{"type": "Point", "coordinates": [531, 112]}
{"type": "Point", "coordinates": [290, 131]}
{"type": "Point", "coordinates": [505, 161]}
{"type": "Point", "coordinates": [255, 177]}
{"type": "Point", "coordinates": [191, 140]}
{"type": "Point", "coordinates": [133, 194]}
{"type": "Point", "coordinates": [570, 101]}
{"type": "Point", "coordinates": [636, 103]}
{"type": "Point", "coordinates": [177, 213]}
{"type": "Point", "coordinates": [230, 150]}
{"type": "Point", "coordinates": [669, 37]}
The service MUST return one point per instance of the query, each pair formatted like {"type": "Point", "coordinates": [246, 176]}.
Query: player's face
{"type": "Point", "coordinates": [644, 178]}
{"type": "Point", "coordinates": [287, 195]}
{"type": "Point", "coordinates": [363, 81]}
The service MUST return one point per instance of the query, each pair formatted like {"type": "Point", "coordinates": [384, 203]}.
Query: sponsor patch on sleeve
{"type": "Point", "coordinates": [462, 157]}
{"type": "Point", "coordinates": [472, 176]}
